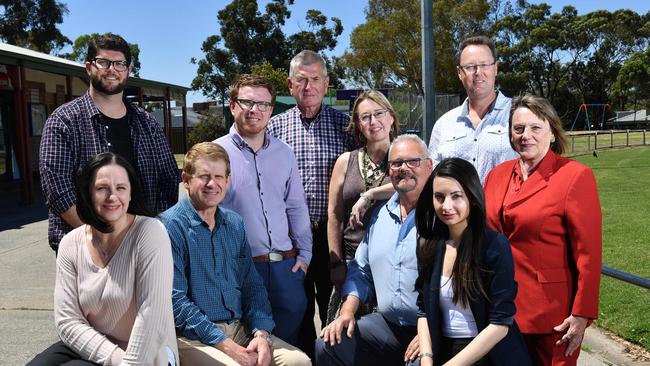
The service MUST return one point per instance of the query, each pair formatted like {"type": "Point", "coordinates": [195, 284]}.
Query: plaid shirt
{"type": "Point", "coordinates": [214, 276]}
{"type": "Point", "coordinates": [73, 134]}
{"type": "Point", "coordinates": [317, 146]}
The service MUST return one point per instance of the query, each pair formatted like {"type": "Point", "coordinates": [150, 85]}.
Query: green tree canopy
{"type": "Point", "coordinates": [568, 58]}
{"type": "Point", "coordinates": [33, 24]}
{"type": "Point", "coordinates": [277, 76]}
{"type": "Point", "coordinates": [80, 47]}
{"type": "Point", "coordinates": [249, 37]}
{"type": "Point", "coordinates": [386, 50]}
{"type": "Point", "coordinates": [633, 79]}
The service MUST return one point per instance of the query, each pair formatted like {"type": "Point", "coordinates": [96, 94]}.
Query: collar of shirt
{"type": "Point", "coordinates": [196, 219]}
{"type": "Point", "coordinates": [499, 103]}
{"type": "Point", "coordinates": [241, 144]}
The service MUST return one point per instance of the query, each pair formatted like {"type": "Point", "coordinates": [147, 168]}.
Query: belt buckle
{"type": "Point", "coordinates": [275, 257]}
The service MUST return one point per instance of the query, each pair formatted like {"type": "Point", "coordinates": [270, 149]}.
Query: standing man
{"type": "Point", "coordinates": [221, 310]}
{"type": "Point", "coordinates": [385, 267]}
{"type": "Point", "coordinates": [477, 130]}
{"type": "Point", "coordinates": [317, 135]}
{"type": "Point", "coordinates": [103, 120]}
{"type": "Point", "coordinates": [266, 191]}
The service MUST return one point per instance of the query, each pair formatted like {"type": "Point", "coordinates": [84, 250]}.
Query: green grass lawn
{"type": "Point", "coordinates": [623, 177]}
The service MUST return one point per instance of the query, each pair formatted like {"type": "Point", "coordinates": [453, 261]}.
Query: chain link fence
{"type": "Point", "coordinates": [409, 108]}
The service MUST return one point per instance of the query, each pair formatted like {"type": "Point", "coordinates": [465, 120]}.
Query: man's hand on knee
{"type": "Point", "coordinates": [239, 354]}
{"type": "Point", "coordinates": [332, 333]}
{"type": "Point", "coordinates": [262, 348]}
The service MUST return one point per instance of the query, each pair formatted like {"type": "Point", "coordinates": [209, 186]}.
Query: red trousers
{"type": "Point", "coordinates": [544, 352]}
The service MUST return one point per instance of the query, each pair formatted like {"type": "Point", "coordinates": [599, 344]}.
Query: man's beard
{"type": "Point", "coordinates": [100, 87]}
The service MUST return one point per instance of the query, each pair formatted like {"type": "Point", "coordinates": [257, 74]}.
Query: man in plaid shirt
{"type": "Point", "coordinates": [317, 134]}
{"type": "Point", "coordinates": [102, 120]}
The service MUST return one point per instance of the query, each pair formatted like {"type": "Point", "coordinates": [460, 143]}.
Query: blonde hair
{"type": "Point", "coordinates": [379, 98]}
{"type": "Point", "coordinates": [206, 150]}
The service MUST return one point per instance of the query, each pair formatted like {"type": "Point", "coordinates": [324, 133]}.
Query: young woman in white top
{"type": "Point", "coordinates": [112, 297]}
{"type": "Point", "coordinates": [466, 275]}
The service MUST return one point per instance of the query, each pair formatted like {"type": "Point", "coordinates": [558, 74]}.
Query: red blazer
{"type": "Point", "coordinates": [554, 225]}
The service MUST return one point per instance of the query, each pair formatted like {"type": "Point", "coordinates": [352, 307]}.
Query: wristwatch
{"type": "Point", "coordinates": [266, 337]}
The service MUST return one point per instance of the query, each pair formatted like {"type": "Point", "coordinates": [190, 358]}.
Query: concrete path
{"type": "Point", "coordinates": [27, 270]}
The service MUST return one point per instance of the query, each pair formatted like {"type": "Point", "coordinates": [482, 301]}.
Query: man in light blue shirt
{"type": "Point", "coordinates": [477, 130]}
{"type": "Point", "coordinates": [385, 268]}
{"type": "Point", "coordinates": [267, 192]}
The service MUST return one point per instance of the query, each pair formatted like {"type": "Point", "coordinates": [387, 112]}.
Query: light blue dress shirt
{"type": "Point", "coordinates": [267, 192]}
{"type": "Point", "coordinates": [485, 147]}
{"type": "Point", "coordinates": [385, 265]}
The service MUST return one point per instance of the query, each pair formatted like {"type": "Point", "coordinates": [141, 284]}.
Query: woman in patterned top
{"type": "Point", "coordinates": [358, 181]}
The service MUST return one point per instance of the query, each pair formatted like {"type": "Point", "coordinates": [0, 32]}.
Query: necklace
{"type": "Point", "coordinates": [372, 173]}
{"type": "Point", "coordinates": [107, 251]}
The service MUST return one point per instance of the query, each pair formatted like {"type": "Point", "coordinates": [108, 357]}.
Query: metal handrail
{"type": "Point", "coordinates": [626, 277]}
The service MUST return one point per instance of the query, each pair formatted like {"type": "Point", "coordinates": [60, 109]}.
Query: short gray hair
{"type": "Point", "coordinates": [305, 58]}
{"type": "Point", "coordinates": [411, 137]}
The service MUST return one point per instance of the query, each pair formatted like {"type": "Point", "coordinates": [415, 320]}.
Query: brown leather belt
{"type": "Point", "coordinates": [276, 256]}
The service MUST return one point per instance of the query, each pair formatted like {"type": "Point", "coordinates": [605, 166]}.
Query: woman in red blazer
{"type": "Point", "coordinates": [548, 207]}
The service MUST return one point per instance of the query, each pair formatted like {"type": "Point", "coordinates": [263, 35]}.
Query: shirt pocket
{"type": "Point", "coordinates": [452, 144]}
{"type": "Point", "coordinates": [496, 130]}
{"type": "Point", "coordinates": [496, 140]}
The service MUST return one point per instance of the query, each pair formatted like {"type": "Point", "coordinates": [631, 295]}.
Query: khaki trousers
{"type": "Point", "coordinates": [195, 353]}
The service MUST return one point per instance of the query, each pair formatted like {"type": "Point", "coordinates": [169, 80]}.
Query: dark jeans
{"type": "Point", "coordinates": [59, 354]}
{"type": "Point", "coordinates": [318, 287]}
{"type": "Point", "coordinates": [286, 295]}
{"type": "Point", "coordinates": [375, 341]}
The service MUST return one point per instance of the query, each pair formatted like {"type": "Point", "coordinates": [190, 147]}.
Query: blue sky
{"type": "Point", "coordinates": [170, 33]}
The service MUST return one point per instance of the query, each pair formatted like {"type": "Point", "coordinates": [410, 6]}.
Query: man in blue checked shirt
{"type": "Point", "coordinates": [221, 308]}
{"type": "Point", "coordinates": [385, 268]}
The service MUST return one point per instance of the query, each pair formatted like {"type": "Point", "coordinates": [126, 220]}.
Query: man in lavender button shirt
{"type": "Point", "coordinates": [267, 192]}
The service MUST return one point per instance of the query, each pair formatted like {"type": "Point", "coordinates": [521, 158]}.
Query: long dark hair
{"type": "Point", "coordinates": [85, 180]}
{"type": "Point", "coordinates": [432, 232]}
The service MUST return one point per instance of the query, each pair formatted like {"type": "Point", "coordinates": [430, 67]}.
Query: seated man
{"type": "Point", "coordinates": [384, 266]}
{"type": "Point", "coordinates": [221, 308]}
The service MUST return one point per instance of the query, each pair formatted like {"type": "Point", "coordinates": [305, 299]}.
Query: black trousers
{"type": "Point", "coordinates": [59, 354]}
{"type": "Point", "coordinates": [318, 288]}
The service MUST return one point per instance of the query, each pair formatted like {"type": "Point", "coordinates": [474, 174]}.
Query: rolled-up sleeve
{"type": "Point", "coordinates": [359, 279]}
{"type": "Point", "coordinates": [502, 286]}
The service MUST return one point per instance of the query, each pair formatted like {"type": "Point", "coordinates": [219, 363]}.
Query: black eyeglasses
{"type": "Point", "coordinates": [118, 65]}
{"type": "Point", "coordinates": [411, 163]}
{"type": "Point", "coordinates": [472, 68]}
{"type": "Point", "coordinates": [249, 104]}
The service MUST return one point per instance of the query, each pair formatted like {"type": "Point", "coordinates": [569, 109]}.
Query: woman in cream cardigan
{"type": "Point", "coordinates": [112, 297]}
